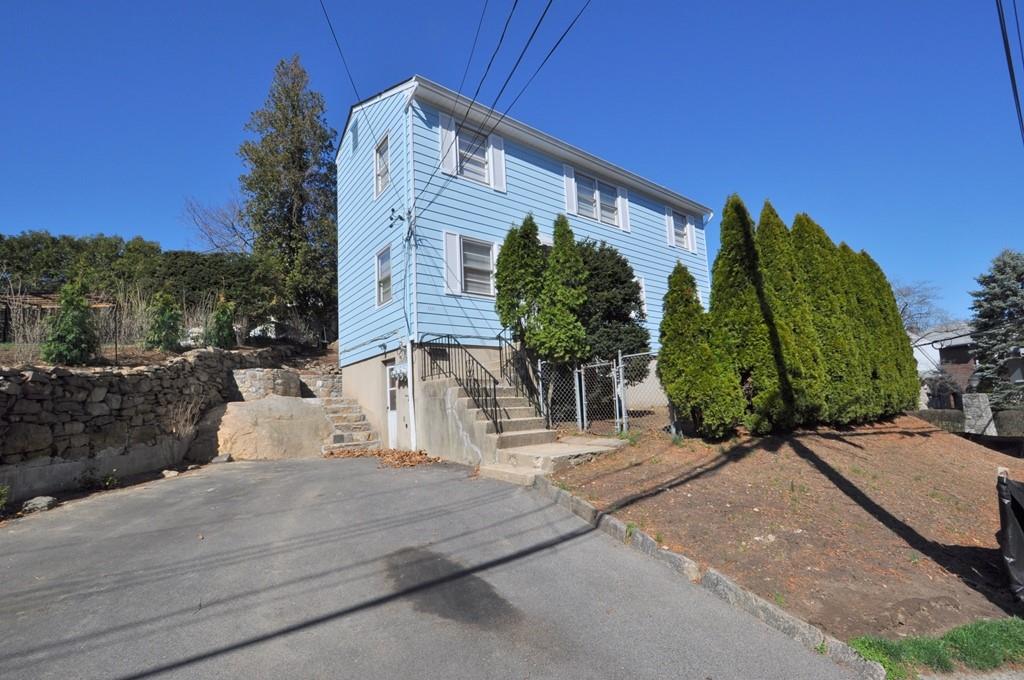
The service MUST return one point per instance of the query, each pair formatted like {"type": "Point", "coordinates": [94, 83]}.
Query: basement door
{"type": "Point", "coordinates": [394, 375]}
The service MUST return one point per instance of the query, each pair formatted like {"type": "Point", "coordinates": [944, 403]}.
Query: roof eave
{"type": "Point", "coordinates": [446, 99]}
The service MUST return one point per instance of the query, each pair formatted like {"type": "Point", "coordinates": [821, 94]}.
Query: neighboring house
{"type": "Point", "coordinates": [423, 206]}
{"type": "Point", "coordinates": [945, 363]}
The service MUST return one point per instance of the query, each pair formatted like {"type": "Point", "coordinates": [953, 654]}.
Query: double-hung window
{"type": "Point", "coordinates": [477, 267]}
{"type": "Point", "coordinates": [381, 168]}
{"type": "Point", "coordinates": [469, 154]}
{"type": "Point", "coordinates": [469, 265]}
{"type": "Point", "coordinates": [597, 200]}
{"type": "Point", "coordinates": [473, 156]}
{"type": "Point", "coordinates": [682, 231]}
{"type": "Point", "coordinates": [384, 276]}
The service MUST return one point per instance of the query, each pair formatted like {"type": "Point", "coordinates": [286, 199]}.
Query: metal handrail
{"type": "Point", "coordinates": [446, 357]}
{"type": "Point", "coordinates": [513, 365]}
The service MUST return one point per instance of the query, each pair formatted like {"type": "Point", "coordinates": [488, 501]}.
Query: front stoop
{"type": "Point", "coordinates": [351, 429]}
{"type": "Point", "coordinates": [522, 464]}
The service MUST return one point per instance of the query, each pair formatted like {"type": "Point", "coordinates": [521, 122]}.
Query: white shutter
{"type": "Point", "coordinates": [623, 209]}
{"type": "Point", "coordinates": [452, 264]}
{"type": "Point", "coordinates": [691, 233]}
{"type": "Point", "coordinates": [643, 294]}
{"type": "Point", "coordinates": [670, 227]}
{"type": "Point", "coordinates": [449, 152]}
{"type": "Point", "coordinates": [570, 189]}
{"type": "Point", "coordinates": [497, 145]}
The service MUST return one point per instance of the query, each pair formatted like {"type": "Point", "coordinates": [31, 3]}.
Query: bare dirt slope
{"type": "Point", "coordinates": [885, 529]}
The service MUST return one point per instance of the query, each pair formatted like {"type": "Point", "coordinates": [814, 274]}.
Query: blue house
{"type": "Point", "coordinates": [428, 186]}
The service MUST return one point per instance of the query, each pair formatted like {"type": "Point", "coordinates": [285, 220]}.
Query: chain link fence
{"type": "Point", "coordinates": [605, 398]}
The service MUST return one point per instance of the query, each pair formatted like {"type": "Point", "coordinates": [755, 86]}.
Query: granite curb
{"type": "Point", "coordinates": [723, 587]}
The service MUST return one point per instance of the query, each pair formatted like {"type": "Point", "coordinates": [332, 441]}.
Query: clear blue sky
{"type": "Point", "coordinates": [891, 123]}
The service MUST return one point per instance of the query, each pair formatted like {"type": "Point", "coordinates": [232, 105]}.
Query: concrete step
{"type": "Point", "coordinates": [341, 418]}
{"type": "Point", "coordinates": [510, 413]}
{"type": "Point", "coordinates": [343, 410]}
{"type": "Point", "coordinates": [515, 424]}
{"type": "Point", "coordinates": [372, 444]}
{"type": "Point", "coordinates": [361, 426]}
{"type": "Point", "coordinates": [549, 457]}
{"type": "Point", "coordinates": [500, 391]}
{"type": "Point", "coordinates": [504, 403]}
{"type": "Point", "coordinates": [508, 473]}
{"type": "Point", "coordinates": [525, 438]}
{"type": "Point", "coordinates": [339, 401]}
{"type": "Point", "coordinates": [349, 437]}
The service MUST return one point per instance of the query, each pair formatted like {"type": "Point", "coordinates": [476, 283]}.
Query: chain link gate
{"type": "Point", "coordinates": [605, 397]}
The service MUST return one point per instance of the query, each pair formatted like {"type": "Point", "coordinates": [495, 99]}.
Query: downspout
{"type": "Point", "coordinates": [410, 183]}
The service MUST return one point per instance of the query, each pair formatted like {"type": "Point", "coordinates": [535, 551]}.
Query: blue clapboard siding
{"type": "Point", "coordinates": [365, 228]}
{"type": "Point", "coordinates": [534, 184]}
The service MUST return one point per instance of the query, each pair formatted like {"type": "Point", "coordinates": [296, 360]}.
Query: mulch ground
{"type": "Point", "coordinates": [886, 529]}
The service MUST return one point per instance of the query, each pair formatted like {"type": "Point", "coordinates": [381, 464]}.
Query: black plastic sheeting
{"type": "Point", "coordinates": [1011, 531]}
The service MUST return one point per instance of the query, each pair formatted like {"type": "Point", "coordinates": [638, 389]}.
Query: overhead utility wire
{"type": "Point", "coordinates": [469, 106]}
{"type": "Point", "coordinates": [1009, 65]}
{"type": "Point", "coordinates": [536, 71]}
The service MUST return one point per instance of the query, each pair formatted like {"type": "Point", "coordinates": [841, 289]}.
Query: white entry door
{"type": "Point", "coordinates": [391, 399]}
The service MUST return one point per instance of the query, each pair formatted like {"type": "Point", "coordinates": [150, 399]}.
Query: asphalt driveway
{"type": "Point", "coordinates": [339, 569]}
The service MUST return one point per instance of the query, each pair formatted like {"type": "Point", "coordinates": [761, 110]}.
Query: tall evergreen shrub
{"type": "Point", "coordinates": [999, 328]}
{"type": "Point", "coordinates": [790, 321]}
{"type": "Point", "coordinates": [613, 310]}
{"type": "Point", "coordinates": [518, 278]}
{"type": "Point", "coordinates": [824, 277]}
{"type": "Point", "coordinates": [699, 380]}
{"type": "Point", "coordinates": [71, 338]}
{"type": "Point", "coordinates": [557, 334]}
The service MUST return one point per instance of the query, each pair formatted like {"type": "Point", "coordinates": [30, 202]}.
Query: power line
{"type": "Point", "coordinates": [1009, 65]}
{"type": "Point", "coordinates": [1020, 43]}
{"type": "Point", "coordinates": [341, 52]}
{"type": "Point", "coordinates": [519, 94]}
{"type": "Point", "coordinates": [472, 50]}
{"type": "Point", "coordinates": [469, 106]}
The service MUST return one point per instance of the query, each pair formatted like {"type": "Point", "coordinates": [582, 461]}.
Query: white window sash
{"type": "Point", "coordinates": [381, 167]}
{"type": "Point", "coordinates": [379, 287]}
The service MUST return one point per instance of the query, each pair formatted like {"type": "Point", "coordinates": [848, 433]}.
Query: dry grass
{"type": "Point", "coordinates": [393, 458]}
{"type": "Point", "coordinates": [183, 416]}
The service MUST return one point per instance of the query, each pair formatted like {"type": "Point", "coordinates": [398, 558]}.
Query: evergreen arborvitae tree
{"type": "Point", "coordinates": [900, 382]}
{"type": "Point", "coordinates": [289, 191]}
{"type": "Point", "coordinates": [790, 320]}
{"type": "Point", "coordinates": [998, 324]}
{"type": "Point", "coordinates": [700, 382]}
{"type": "Point", "coordinates": [824, 278]}
{"type": "Point", "coordinates": [518, 278]}
{"type": "Point", "coordinates": [165, 330]}
{"type": "Point", "coordinates": [557, 334]}
{"type": "Point", "coordinates": [740, 303]}
{"type": "Point", "coordinates": [613, 311]}
{"type": "Point", "coordinates": [866, 322]}
{"type": "Point", "coordinates": [71, 338]}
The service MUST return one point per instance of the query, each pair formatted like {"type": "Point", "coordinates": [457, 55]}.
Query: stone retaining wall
{"type": "Point", "coordinates": [257, 383]}
{"type": "Point", "coordinates": [59, 425]}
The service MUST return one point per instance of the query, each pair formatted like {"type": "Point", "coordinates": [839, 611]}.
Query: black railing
{"type": "Point", "coordinates": [447, 358]}
{"type": "Point", "coordinates": [515, 369]}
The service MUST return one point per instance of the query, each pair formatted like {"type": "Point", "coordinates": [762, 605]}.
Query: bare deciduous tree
{"type": "Point", "coordinates": [224, 228]}
{"type": "Point", "coordinates": [916, 301]}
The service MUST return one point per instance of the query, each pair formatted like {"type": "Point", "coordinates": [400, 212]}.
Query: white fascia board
{"type": "Point", "coordinates": [404, 86]}
{"type": "Point", "coordinates": [444, 99]}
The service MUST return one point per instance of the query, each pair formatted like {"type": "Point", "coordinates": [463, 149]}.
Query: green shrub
{"type": "Point", "coordinates": [613, 311]}
{"type": "Point", "coordinates": [71, 338]}
{"type": "Point", "coordinates": [164, 324]}
{"type": "Point", "coordinates": [220, 327]}
{"type": "Point", "coordinates": [518, 278]}
{"type": "Point", "coordinates": [698, 379]}
{"type": "Point", "coordinates": [790, 321]}
{"type": "Point", "coordinates": [558, 335]}
{"type": "Point", "coordinates": [5, 493]}
{"type": "Point", "coordinates": [823, 275]}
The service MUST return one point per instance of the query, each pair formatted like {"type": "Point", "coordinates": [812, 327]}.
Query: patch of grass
{"type": "Point", "coordinates": [5, 492]}
{"type": "Point", "coordinates": [659, 538]}
{"type": "Point", "coordinates": [779, 598]}
{"type": "Point", "coordinates": [562, 485]}
{"type": "Point", "coordinates": [630, 530]}
{"type": "Point", "coordinates": [630, 437]}
{"type": "Point", "coordinates": [982, 645]}
{"type": "Point", "coordinates": [821, 648]}
{"type": "Point", "coordinates": [654, 460]}
{"type": "Point", "coordinates": [678, 440]}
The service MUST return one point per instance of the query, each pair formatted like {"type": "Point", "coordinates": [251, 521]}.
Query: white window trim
{"type": "Point", "coordinates": [488, 157]}
{"type": "Point", "coordinates": [573, 206]}
{"type": "Point", "coordinates": [376, 279]}
{"type": "Point", "coordinates": [690, 240]}
{"type": "Point", "coordinates": [462, 267]}
{"type": "Point", "coordinates": [378, 190]}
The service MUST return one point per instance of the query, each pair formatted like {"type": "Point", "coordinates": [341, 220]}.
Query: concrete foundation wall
{"type": "Point", "coordinates": [366, 382]}
{"type": "Point", "coordinates": [443, 429]}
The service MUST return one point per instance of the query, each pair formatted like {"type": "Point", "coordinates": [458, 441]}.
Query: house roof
{"type": "Point", "coordinates": [477, 115]}
{"type": "Point", "coordinates": [956, 334]}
